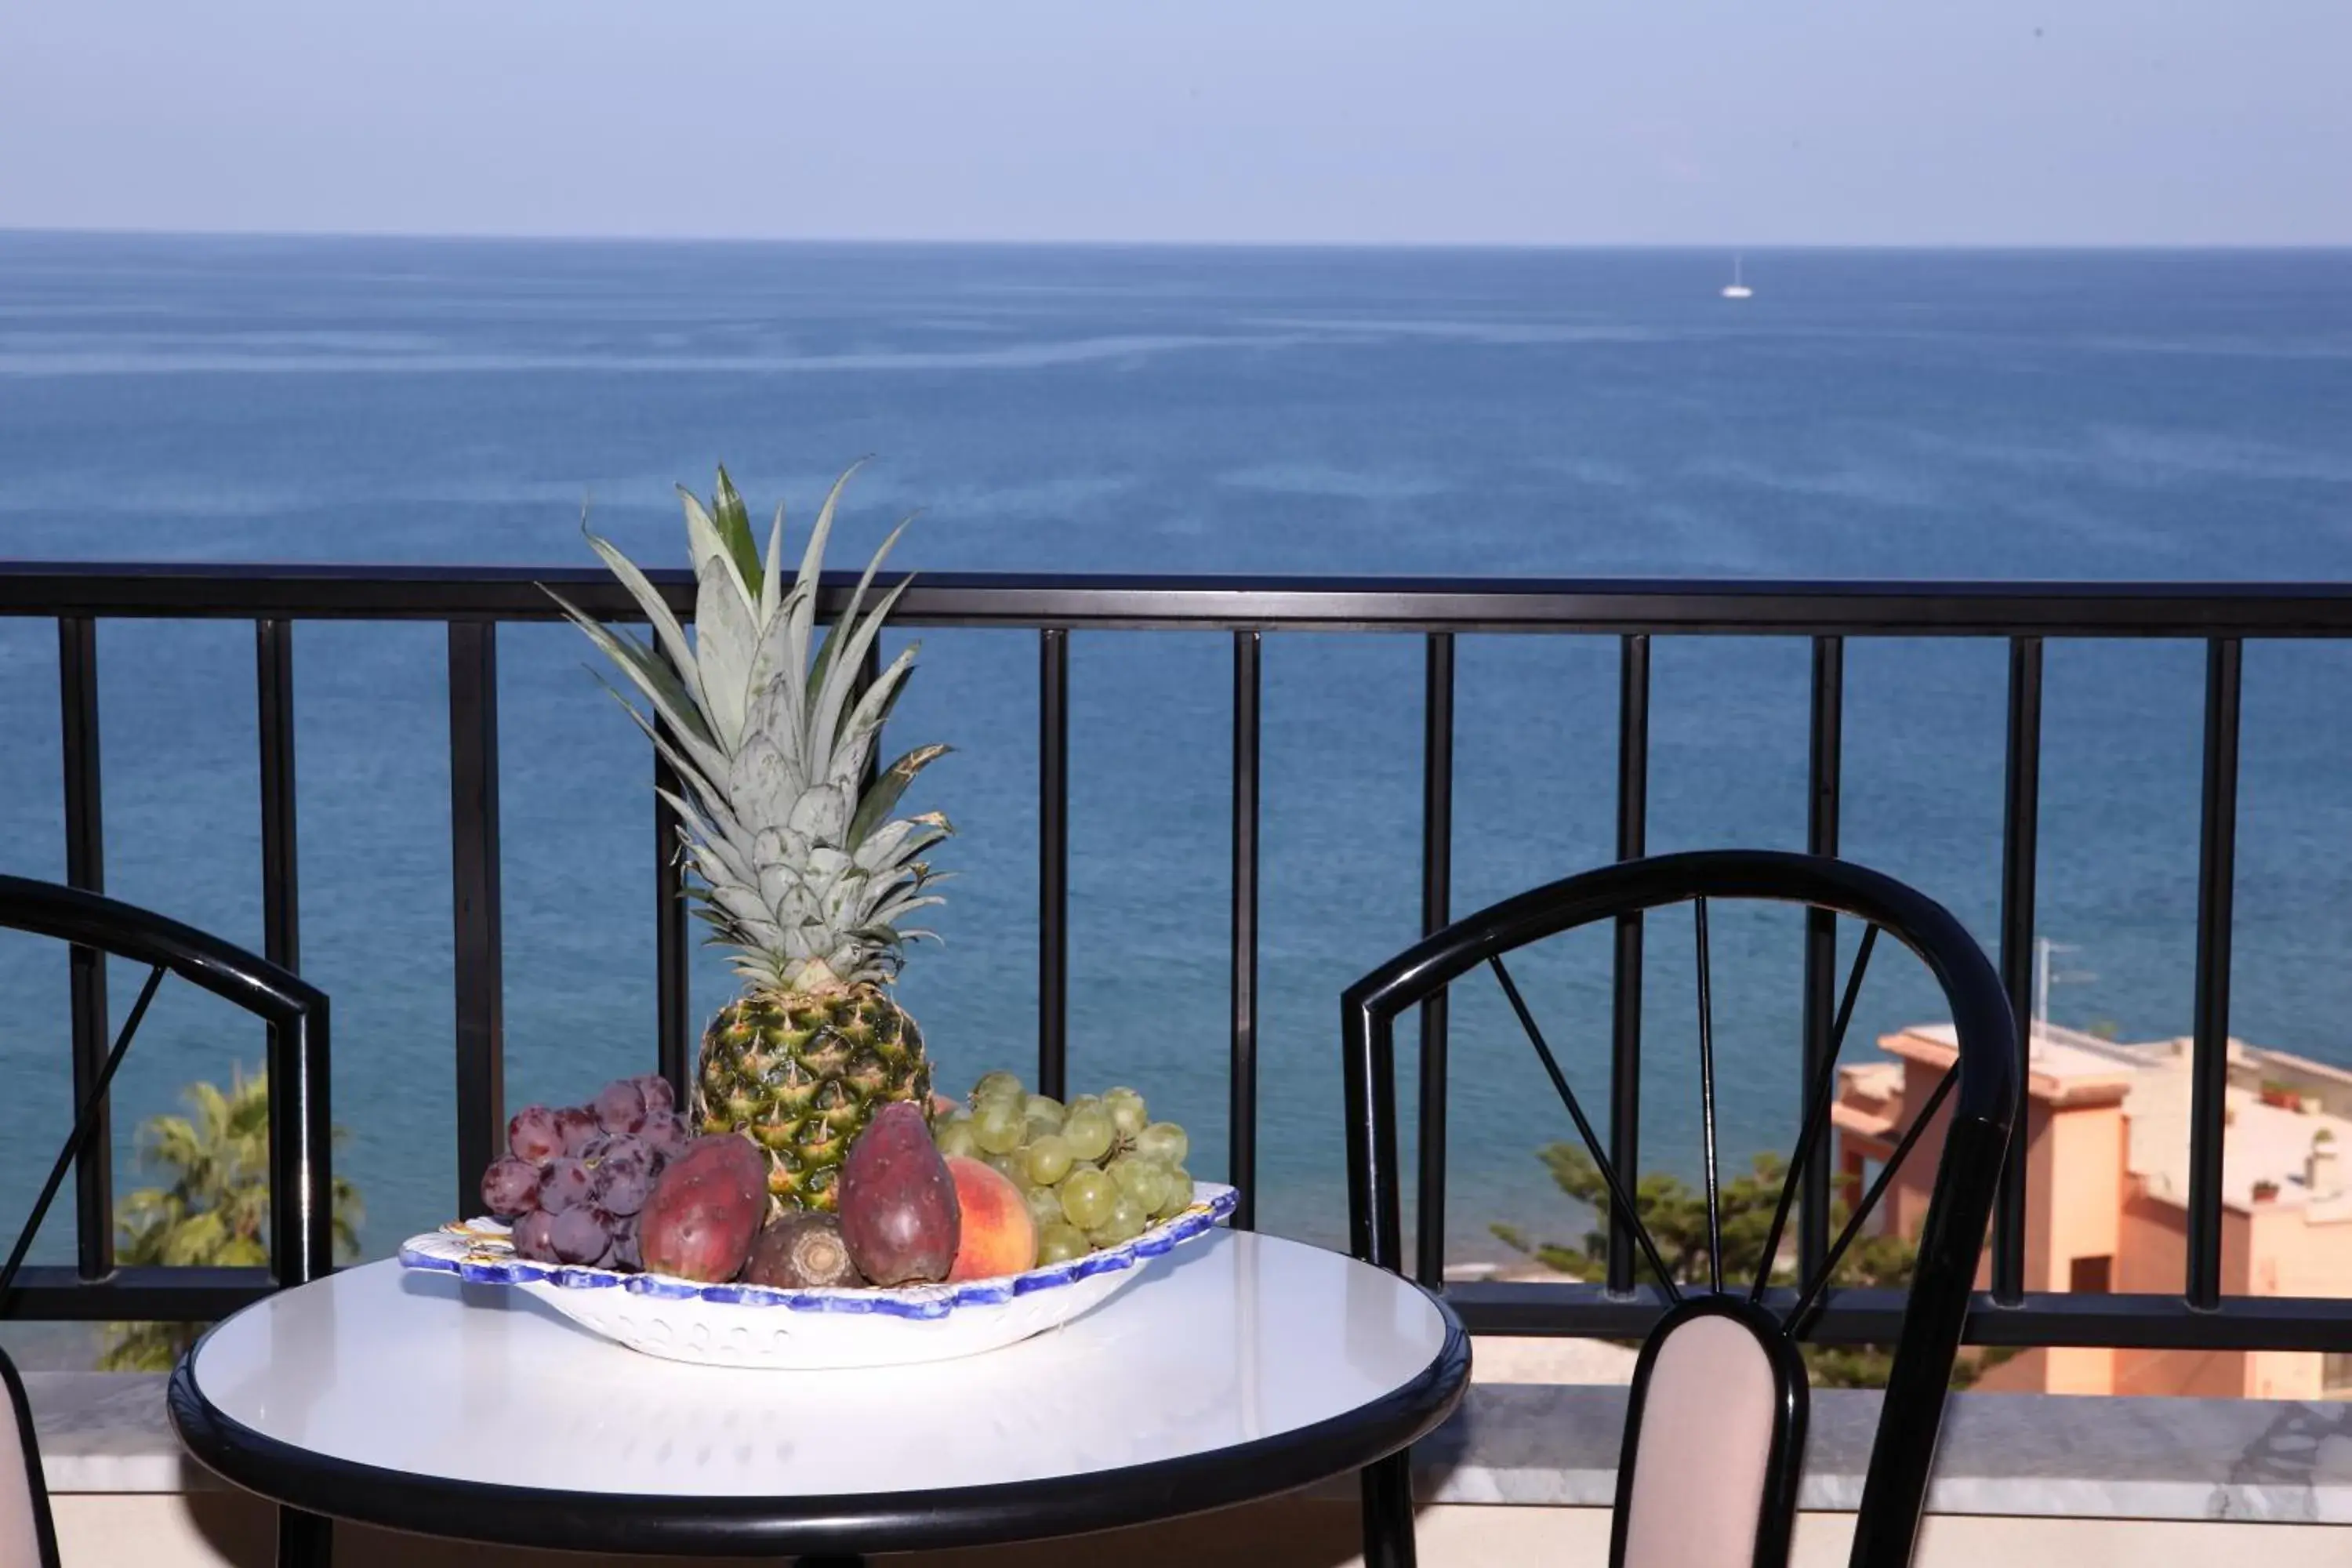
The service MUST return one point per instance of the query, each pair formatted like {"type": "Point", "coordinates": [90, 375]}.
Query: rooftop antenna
{"type": "Point", "coordinates": [2045, 976]}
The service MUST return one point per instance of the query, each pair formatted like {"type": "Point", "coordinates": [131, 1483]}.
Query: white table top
{"type": "Point", "coordinates": [1240, 1345]}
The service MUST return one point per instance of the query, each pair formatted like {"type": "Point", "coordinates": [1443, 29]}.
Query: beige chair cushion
{"type": "Point", "coordinates": [20, 1540]}
{"type": "Point", "coordinates": [1704, 1440]}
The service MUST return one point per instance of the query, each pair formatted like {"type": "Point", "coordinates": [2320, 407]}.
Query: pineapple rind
{"type": "Point", "coordinates": [801, 1076]}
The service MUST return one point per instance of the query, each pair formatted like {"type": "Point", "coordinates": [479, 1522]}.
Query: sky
{"type": "Point", "coordinates": [1282, 121]}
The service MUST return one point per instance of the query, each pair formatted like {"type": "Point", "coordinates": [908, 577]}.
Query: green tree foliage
{"type": "Point", "coordinates": [1676, 1216]}
{"type": "Point", "coordinates": [215, 1212]}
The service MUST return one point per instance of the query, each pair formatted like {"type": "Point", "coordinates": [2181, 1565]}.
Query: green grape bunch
{"type": "Point", "coordinates": [1094, 1171]}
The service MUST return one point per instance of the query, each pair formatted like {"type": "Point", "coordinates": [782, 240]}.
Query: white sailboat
{"type": "Point", "coordinates": [1736, 289]}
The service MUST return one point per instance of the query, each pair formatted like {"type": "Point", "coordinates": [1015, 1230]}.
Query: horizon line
{"type": "Point", "coordinates": [9, 230]}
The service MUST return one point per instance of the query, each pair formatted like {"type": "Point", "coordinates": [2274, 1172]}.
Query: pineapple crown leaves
{"type": "Point", "coordinates": [801, 867]}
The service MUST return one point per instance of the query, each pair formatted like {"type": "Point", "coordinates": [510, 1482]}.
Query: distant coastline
{"type": "Point", "coordinates": [1716, 248]}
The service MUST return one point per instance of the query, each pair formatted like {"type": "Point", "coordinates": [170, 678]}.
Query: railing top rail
{"type": "Point", "coordinates": [1664, 606]}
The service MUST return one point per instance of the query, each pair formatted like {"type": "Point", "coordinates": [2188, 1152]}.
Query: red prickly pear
{"type": "Point", "coordinates": [700, 1219]}
{"type": "Point", "coordinates": [900, 1217]}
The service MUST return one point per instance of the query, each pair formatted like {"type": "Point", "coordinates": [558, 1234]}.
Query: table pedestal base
{"type": "Point", "coordinates": [304, 1540]}
{"type": "Point", "coordinates": [1388, 1512]}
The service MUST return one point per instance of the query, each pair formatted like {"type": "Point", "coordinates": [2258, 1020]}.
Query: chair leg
{"type": "Point", "coordinates": [304, 1540]}
{"type": "Point", "coordinates": [1388, 1512]}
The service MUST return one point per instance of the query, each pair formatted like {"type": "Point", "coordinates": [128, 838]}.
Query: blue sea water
{"type": "Point", "coordinates": [2100, 416]}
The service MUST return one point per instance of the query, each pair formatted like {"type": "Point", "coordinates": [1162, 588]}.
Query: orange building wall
{"type": "Point", "coordinates": [2084, 1210]}
{"type": "Point", "coordinates": [2084, 1205]}
{"type": "Point", "coordinates": [2155, 1260]}
{"type": "Point", "coordinates": [2293, 1256]}
{"type": "Point", "coordinates": [1906, 1202]}
{"type": "Point", "coordinates": [2080, 1151]}
{"type": "Point", "coordinates": [2075, 1173]}
{"type": "Point", "coordinates": [2303, 1258]}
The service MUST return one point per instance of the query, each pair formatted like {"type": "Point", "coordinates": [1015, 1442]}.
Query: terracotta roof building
{"type": "Point", "coordinates": [2107, 1139]}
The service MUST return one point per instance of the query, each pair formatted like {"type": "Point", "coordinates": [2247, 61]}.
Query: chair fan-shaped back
{"type": "Point", "coordinates": [1718, 1405]}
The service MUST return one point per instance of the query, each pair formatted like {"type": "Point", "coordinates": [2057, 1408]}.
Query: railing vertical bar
{"type": "Point", "coordinates": [301, 1136]}
{"type": "Point", "coordinates": [2020, 852]}
{"type": "Point", "coordinates": [86, 867]}
{"type": "Point", "coordinates": [281, 942]}
{"type": "Point", "coordinates": [673, 1001]}
{"type": "Point", "coordinates": [1241, 1119]}
{"type": "Point", "coordinates": [474, 886]}
{"type": "Point", "coordinates": [1706, 1097]}
{"type": "Point", "coordinates": [1436, 905]}
{"type": "Point", "coordinates": [1625, 1003]}
{"type": "Point", "coordinates": [1053, 858]}
{"type": "Point", "coordinates": [281, 917]}
{"type": "Point", "coordinates": [869, 671]}
{"type": "Point", "coordinates": [2216, 884]}
{"type": "Point", "coordinates": [1824, 771]}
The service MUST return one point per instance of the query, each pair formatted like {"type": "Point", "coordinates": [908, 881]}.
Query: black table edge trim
{"type": "Point", "coordinates": [884, 1521]}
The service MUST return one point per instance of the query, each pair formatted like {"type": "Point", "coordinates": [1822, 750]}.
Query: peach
{"type": "Point", "coordinates": [999, 1236]}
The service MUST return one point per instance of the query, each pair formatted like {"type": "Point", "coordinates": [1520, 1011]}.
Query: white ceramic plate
{"type": "Point", "coordinates": [752, 1325]}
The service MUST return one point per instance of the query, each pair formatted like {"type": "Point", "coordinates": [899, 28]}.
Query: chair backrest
{"type": "Point", "coordinates": [301, 1208]}
{"type": "Point", "coordinates": [1715, 1427]}
{"type": "Point", "coordinates": [301, 1191]}
{"type": "Point", "coordinates": [1715, 1430]}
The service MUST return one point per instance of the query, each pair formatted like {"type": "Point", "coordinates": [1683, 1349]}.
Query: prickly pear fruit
{"type": "Point", "coordinates": [800, 1251]}
{"type": "Point", "coordinates": [899, 1211]}
{"type": "Point", "coordinates": [700, 1219]}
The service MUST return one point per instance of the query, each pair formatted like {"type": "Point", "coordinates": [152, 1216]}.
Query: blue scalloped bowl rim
{"type": "Point", "coordinates": [485, 1264]}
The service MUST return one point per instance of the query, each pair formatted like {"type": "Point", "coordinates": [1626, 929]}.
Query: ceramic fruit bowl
{"type": "Point", "coordinates": [756, 1326]}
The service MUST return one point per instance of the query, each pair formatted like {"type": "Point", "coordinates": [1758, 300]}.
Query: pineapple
{"type": "Point", "coordinates": [797, 864]}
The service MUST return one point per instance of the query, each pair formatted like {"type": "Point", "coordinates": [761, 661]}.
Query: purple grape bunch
{"type": "Point", "coordinates": [573, 1179]}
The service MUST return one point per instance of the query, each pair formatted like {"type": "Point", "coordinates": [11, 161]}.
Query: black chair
{"type": "Point", "coordinates": [302, 1213]}
{"type": "Point", "coordinates": [27, 1533]}
{"type": "Point", "coordinates": [1716, 1419]}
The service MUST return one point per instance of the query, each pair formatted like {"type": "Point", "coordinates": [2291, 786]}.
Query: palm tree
{"type": "Point", "coordinates": [216, 1213]}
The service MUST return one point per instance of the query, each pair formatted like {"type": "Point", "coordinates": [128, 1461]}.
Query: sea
{"type": "Point", "coordinates": [1889, 415]}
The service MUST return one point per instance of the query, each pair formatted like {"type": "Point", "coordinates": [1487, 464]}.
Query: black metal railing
{"type": "Point", "coordinates": [473, 602]}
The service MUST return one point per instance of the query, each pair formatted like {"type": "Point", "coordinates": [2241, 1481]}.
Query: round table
{"type": "Point", "coordinates": [1239, 1367]}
